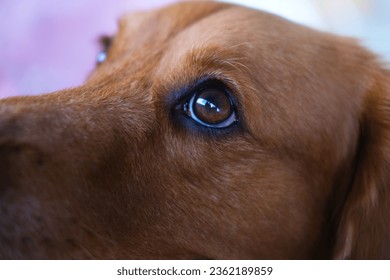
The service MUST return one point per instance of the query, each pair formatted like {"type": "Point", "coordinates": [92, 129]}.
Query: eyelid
{"type": "Point", "coordinates": [185, 93]}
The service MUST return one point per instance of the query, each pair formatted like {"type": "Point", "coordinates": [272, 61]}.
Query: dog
{"type": "Point", "coordinates": [207, 131]}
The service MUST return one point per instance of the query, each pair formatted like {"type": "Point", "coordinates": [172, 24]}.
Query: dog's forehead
{"type": "Point", "coordinates": [158, 26]}
{"type": "Point", "coordinates": [197, 22]}
{"type": "Point", "coordinates": [175, 32]}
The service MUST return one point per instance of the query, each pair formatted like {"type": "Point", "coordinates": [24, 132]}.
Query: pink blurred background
{"type": "Point", "coordinates": [48, 45]}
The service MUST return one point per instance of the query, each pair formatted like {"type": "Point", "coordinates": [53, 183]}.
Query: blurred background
{"type": "Point", "coordinates": [48, 45]}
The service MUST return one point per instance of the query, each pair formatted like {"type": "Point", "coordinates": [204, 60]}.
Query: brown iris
{"type": "Point", "coordinates": [211, 106]}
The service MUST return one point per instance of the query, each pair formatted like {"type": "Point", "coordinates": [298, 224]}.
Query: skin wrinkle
{"type": "Point", "coordinates": [119, 171]}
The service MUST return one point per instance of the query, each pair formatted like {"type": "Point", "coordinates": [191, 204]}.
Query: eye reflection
{"type": "Point", "coordinates": [101, 57]}
{"type": "Point", "coordinates": [204, 102]}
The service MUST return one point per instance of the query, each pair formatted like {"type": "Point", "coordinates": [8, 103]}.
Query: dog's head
{"type": "Point", "coordinates": [210, 131]}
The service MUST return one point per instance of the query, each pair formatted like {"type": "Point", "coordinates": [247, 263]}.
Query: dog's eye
{"type": "Point", "coordinates": [105, 42]}
{"type": "Point", "coordinates": [211, 106]}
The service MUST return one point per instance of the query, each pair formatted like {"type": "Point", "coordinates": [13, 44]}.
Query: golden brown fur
{"type": "Point", "coordinates": [107, 171]}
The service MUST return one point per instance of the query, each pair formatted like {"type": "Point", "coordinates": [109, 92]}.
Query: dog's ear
{"type": "Point", "coordinates": [363, 230]}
